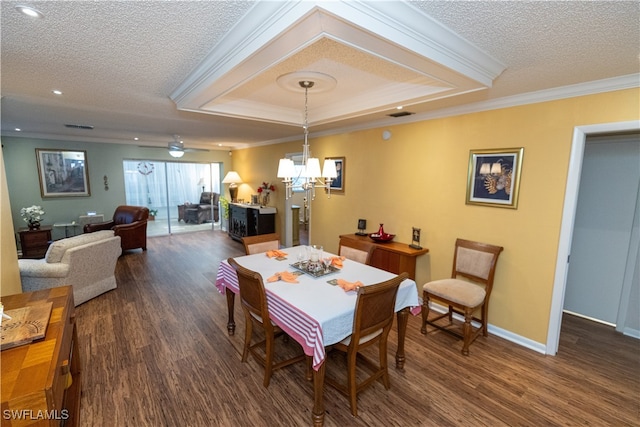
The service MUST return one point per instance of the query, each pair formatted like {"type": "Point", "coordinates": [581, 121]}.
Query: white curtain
{"type": "Point", "coordinates": [147, 183]}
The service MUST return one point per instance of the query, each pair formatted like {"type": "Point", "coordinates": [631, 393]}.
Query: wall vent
{"type": "Point", "coordinates": [400, 114]}
{"type": "Point", "coordinates": [86, 127]}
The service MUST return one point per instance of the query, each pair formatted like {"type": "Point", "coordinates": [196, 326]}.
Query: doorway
{"type": "Point", "coordinates": [604, 221]}
{"type": "Point", "coordinates": [297, 208]}
{"type": "Point", "coordinates": [568, 220]}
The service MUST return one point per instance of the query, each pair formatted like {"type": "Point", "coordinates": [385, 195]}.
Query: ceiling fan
{"type": "Point", "coordinates": [176, 147]}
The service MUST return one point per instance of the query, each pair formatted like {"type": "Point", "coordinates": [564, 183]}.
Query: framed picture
{"type": "Point", "coordinates": [337, 184]}
{"type": "Point", "coordinates": [63, 173]}
{"type": "Point", "coordinates": [494, 177]}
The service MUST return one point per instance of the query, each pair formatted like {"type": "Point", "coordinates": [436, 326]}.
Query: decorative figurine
{"type": "Point", "coordinates": [415, 244]}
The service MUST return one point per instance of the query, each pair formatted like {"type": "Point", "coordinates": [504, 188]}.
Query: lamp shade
{"type": "Point", "coordinates": [485, 169]}
{"type": "Point", "coordinates": [232, 177]}
{"type": "Point", "coordinates": [313, 168]}
{"type": "Point", "coordinates": [496, 169]}
{"type": "Point", "coordinates": [329, 169]}
{"type": "Point", "coordinates": [286, 168]}
{"type": "Point", "coordinates": [176, 153]}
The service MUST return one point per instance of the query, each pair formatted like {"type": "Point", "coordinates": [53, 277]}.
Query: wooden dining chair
{"type": "Point", "coordinates": [372, 321]}
{"type": "Point", "coordinates": [356, 250]}
{"type": "Point", "coordinates": [261, 243]}
{"type": "Point", "coordinates": [254, 304]}
{"type": "Point", "coordinates": [468, 289]}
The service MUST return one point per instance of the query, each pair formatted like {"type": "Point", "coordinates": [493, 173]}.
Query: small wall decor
{"type": "Point", "coordinates": [494, 177]}
{"type": "Point", "coordinates": [63, 173]}
{"type": "Point", "coordinates": [337, 184]}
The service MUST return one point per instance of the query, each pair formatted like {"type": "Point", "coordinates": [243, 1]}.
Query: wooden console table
{"type": "Point", "coordinates": [393, 256]}
{"type": "Point", "coordinates": [41, 381]}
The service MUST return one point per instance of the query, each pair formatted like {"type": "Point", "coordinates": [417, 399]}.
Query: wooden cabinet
{"type": "Point", "coordinates": [393, 256]}
{"type": "Point", "coordinates": [41, 381]}
{"type": "Point", "coordinates": [246, 220]}
{"type": "Point", "coordinates": [34, 243]}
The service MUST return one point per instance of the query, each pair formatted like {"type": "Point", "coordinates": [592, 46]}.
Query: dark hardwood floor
{"type": "Point", "coordinates": [155, 352]}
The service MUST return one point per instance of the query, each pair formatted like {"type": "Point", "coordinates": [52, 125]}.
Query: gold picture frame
{"type": "Point", "coordinates": [63, 173]}
{"type": "Point", "coordinates": [494, 177]}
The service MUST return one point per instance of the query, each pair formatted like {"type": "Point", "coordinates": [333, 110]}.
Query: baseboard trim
{"type": "Point", "coordinates": [633, 333]}
{"type": "Point", "coordinates": [593, 319]}
{"type": "Point", "coordinates": [500, 332]}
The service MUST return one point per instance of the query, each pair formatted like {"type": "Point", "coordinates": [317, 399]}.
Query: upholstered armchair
{"type": "Point", "coordinates": [87, 262]}
{"type": "Point", "coordinates": [130, 223]}
{"type": "Point", "coordinates": [208, 198]}
{"type": "Point", "coordinates": [202, 211]}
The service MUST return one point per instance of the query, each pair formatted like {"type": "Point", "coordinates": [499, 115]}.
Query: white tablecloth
{"type": "Point", "coordinates": [313, 312]}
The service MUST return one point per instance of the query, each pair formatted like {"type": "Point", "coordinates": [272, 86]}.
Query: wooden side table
{"type": "Point", "coordinates": [34, 243]}
{"type": "Point", "coordinates": [41, 381]}
{"type": "Point", "coordinates": [393, 256]}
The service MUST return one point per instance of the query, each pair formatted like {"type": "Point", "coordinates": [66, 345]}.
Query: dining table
{"type": "Point", "coordinates": [315, 311]}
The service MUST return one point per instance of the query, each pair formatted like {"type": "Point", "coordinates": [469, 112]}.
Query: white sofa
{"type": "Point", "coordinates": [87, 262]}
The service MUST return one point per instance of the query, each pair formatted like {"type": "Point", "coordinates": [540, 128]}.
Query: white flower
{"type": "Point", "coordinates": [31, 213]}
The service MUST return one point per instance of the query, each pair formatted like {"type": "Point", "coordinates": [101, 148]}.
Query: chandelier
{"type": "Point", "coordinates": [308, 178]}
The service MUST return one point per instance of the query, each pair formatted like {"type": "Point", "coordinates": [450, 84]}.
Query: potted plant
{"type": "Point", "coordinates": [32, 216]}
{"type": "Point", "coordinates": [152, 214]}
{"type": "Point", "coordinates": [224, 213]}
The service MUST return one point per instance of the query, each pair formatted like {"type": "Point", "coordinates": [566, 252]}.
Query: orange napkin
{"type": "Point", "coordinates": [336, 261]}
{"type": "Point", "coordinates": [285, 276]}
{"type": "Point", "coordinates": [276, 253]}
{"type": "Point", "coordinates": [349, 286]}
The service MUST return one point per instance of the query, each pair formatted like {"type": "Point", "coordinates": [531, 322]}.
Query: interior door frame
{"type": "Point", "coordinates": [580, 134]}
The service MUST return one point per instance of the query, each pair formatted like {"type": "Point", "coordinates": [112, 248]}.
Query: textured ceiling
{"type": "Point", "coordinates": [118, 63]}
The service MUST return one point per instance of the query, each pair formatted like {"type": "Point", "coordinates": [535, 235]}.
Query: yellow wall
{"type": "Point", "coordinates": [418, 179]}
{"type": "Point", "coordinates": [9, 274]}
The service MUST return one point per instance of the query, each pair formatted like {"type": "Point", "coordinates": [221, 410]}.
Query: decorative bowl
{"type": "Point", "coordinates": [381, 238]}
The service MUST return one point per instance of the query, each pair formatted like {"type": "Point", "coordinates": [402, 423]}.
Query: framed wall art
{"type": "Point", "coordinates": [494, 177]}
{"type": "Point", "coordinates": [63, 173]}
{"type": "Point", "coordinates": [337, 184]}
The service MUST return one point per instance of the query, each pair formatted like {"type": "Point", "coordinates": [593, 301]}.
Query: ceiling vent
{"type": "Point", "coordinates": [86, 127]}
{"type": "Point", "coordinates": [400, 114]}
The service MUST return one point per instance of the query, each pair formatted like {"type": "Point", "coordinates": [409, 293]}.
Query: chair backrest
{"type": "Point", "coordinates": [208, 198]}
{"type": "Point", "coordinates": [252, 294]}
{"type": "Point", "coordinates": [476, 261]}
{"type": "Point", "coordinates": [261, 243]}
{"type": "Point", "coordinates": [375, 307]}
{"type": "Point", "coordinates": [356, 250]}
{"type": "Point", "coordinates": [129, 214]}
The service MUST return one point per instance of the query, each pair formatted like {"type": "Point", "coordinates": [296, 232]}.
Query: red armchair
{"type": "Point", "coordinates": [130, 223]}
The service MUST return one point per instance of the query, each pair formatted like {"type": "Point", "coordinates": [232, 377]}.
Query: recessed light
{"type": "Point", "coordinates": [29, 11]}
{"type": "Point", "coordinates": [136, 138]}
{"type": "Point", "coordinates": [56, 92]}
{"type": "Point", "coordinates": [399, 107]}
{"type": "Point", "coordinates": [18, 130]}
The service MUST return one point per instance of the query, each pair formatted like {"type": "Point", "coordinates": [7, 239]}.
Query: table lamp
{"type": "Point", "coordinates": [233, 179]}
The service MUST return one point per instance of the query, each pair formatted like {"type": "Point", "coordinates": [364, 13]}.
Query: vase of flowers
{"type": "Point", "coordinates": [264, 190]}
{"type": "Point", "coordinates": [32, 216]}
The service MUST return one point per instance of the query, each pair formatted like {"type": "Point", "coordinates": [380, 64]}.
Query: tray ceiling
{"type": "Point", "coordinates": [375, 66]}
